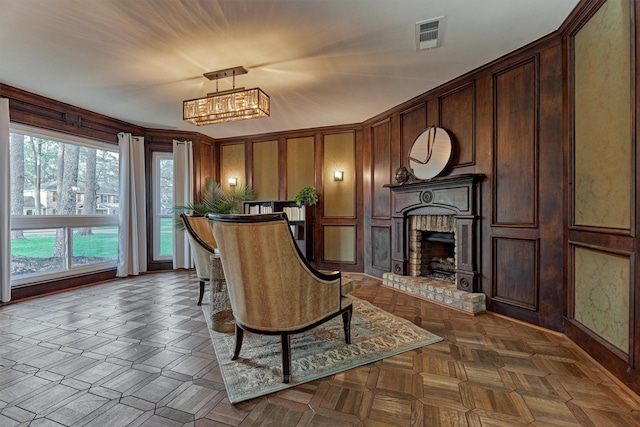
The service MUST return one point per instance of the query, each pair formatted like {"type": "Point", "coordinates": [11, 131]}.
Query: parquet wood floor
{"type": "Point", "coordinates": [136, 352]}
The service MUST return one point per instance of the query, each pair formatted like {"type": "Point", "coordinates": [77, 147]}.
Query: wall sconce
{"type": "Point", "coordinates": [337, 175]}
{"type": "Point", "coordinates": [232, 181]}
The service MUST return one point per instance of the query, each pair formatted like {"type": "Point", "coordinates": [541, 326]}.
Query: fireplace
{"type": "Point", "coordinates": [432, 247]}
{"type": "Point", "coordinates": [435, 230]}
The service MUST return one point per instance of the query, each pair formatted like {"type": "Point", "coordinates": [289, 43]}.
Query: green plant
{"type": "Point", "coordinates": [307, 196]}
{"type": "Point", "coordinates": [215, 200]}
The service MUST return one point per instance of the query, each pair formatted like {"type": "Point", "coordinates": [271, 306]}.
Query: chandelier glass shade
{"type": "Point", "coordinates": [227, 106]}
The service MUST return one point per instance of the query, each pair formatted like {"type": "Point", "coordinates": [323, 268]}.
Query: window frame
{"type": "Point", "coordinates": [65, 222]}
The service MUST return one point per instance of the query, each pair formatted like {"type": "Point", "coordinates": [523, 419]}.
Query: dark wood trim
{"type": "Point", "coordinates": [608, 356]}
{"type": "Point", "coordinates": [290, 134]}
{"type": "Point", "coordinates": [248, 163]}
{"type": "Point", "coordinates": [490, 68]}
{"type": "Point", "coordinates": [46, 287]}
{"type": "Point", "coordinates": [282, 167]}
{"type": "Point", "coordinates": [635, 151]}
{"type": "Point", "coordinates": [35, 110]}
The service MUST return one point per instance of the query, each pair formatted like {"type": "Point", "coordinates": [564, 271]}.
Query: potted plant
{"type": "Point", "coordinates": [306, 197]}
{"type": "Point", "coordinates": [215, 200]}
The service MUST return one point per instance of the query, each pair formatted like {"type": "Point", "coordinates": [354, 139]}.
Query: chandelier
{"type": "Point", "coordinates": [228, 105]}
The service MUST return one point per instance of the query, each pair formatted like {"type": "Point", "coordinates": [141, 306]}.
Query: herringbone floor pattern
{"type": "Point", "coordinates": [136, 352]}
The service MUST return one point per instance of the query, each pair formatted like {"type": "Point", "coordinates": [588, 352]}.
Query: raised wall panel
{"type": "Point", "coordinates": [339, 196]}
{"type": "Point", "coordinates": [203, 166]}
{"type": "Point", "coordinates": [381, 247]}
{"type": "Point", "coordinates": [515, 146]}
{"type": "Point", "coordinates": [457, 117]}
{"type": "Point", "coordinates": [232, 165]}
{"type": "Point", "coordinates": [339, 243]}
{"type": "Point", "coordinates": [601, 301]}
{"type": "Point", "coordinates": [382, 173]}
{"type": "Point", "coordinates": [412, 123]}
{"type": "Point", "coordinates": [265, 170]}
{"type": "Point", "coordinates": [515, 270]}
{"type": "Point", "coordinates": [603, 144]}
{"type": "Point", "coordinates": [300, 165]}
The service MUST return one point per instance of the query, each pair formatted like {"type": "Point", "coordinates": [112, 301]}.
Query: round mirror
{"type": "Point", "coordinates": [430, 153]}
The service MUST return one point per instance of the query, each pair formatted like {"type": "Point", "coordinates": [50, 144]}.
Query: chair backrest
{"type": "Point", "coordinates": [271, 286]}
{"type": "Point", "coordinates": [200, 228]}
{"type": "Point", "coordinates": [202, 242]}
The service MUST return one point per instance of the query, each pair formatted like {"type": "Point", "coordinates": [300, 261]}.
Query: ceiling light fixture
{"type": "Point", "coordinates": [228, 105]}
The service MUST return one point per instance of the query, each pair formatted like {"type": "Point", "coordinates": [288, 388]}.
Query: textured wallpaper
{"type": "Point", "coordinates": [232, 165]}
{"type": "Point", "coordinates": [300, 165]}
{"type": "Point", "coordinates": [339, 196]}
{"type": "Point", "coordinates": [602, 119]}
{"type": "Point", "coordinates": [265, 170]}
{"type": "Point", "coordinates": [602, 295]}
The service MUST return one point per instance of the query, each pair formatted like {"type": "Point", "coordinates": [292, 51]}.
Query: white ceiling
{"type": "Point", "coordinates": [322, 62]}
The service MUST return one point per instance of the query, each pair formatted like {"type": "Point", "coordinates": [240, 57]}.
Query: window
{"type": "Point", "coordinates": [59, 222]}
{"type": "Point", "coordinates": [162, 171]}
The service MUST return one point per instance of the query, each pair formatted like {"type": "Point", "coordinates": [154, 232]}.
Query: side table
{"type": "Point", "coordinates": [221, 313]}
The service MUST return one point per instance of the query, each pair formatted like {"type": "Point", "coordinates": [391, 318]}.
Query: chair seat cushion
{"type": "Point", "coordinates": [346, 287]}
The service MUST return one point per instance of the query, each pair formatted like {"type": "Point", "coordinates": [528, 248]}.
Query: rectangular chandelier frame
{"type": "Point", "coordinates": [227, 106]}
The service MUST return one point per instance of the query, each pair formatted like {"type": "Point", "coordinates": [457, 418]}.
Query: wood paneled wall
{"type": "Point", "coordinates": [496, 116]}
{"type": "Point", "coordinates": [511, 121]}
{"type": "Point", "coordinates": [302, 162]}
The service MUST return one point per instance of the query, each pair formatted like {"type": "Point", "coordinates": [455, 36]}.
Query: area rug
{"type": "Point", "coordinates": [320, 352]}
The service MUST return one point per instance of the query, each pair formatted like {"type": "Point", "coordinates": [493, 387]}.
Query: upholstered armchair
{"type": "Point", "coordinates": [202, 245]}
{"type": "Point", "coordinates": [272, 288]}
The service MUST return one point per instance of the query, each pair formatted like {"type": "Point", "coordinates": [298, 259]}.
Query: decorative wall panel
{"type": "Point", "coordinates": [413, 123]}
{"type": "Point", "coordinates": [602, 283]}
{"type": "Point", "coordinates": [382, 173]}
{"type": "Point", "coordinates": [515, 151]}
{"type": "Point", "coordinates": [457, 116]}
{"type": "Point", "coordinates": [602, 194]}
{"type": "Point", "coordinates": [380, 247]}
{"type": "Point", "coordinates": [515, 267]}
{"type": "Point", "coordinates": [339, 243]}
{"type": "Point", "coordinates": [300, 165]}
{"type": "Point", "coordinates": [265, 170]}
{"type": "Point", "coordinates": [339, 196]}
{"type": "Point", "coordinates": [232, 165]}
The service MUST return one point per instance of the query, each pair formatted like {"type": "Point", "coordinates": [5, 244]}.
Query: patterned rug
{"type": "Point", "coordinates": [317, 353]}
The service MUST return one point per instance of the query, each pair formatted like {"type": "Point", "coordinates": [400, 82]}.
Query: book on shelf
{"type": "Point", "coordinates": [294, 213]}
{"type": "Point", "coordinates": [258, 209]}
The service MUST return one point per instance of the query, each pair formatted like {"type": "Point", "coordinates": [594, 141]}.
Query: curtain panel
{"type": "Point", "coordinates": [132, 231]}
{"type": "Point", "coordinates": [5, 205]}
{"type": "Point", "coordinates": [182, 196]}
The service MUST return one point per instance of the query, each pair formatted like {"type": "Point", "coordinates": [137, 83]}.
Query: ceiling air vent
{"type": "Point", "coordinates": [429, 33]}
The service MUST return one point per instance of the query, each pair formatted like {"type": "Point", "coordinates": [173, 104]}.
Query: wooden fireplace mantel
{"type": "Point", "coordinates": [451, 195]}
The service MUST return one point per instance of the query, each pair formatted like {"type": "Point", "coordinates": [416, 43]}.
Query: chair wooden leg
{"type": "Point", "coordinates": [286, 358]}
{"type": "Point", "coordinates": [346, 321]}
{"type": "Point", "coordinates": [201, 292]}
{"type": "Point", "coordinates": [236, 350]}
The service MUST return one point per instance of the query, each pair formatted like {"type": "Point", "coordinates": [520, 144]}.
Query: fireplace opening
{"type": "Point", "coordinates": [438, 251]}
{"type": "Point", "coordinates": [432, 247]}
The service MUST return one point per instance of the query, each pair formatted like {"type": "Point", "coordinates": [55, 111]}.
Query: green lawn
{"type": "Point", "coordinates": [103, 243]}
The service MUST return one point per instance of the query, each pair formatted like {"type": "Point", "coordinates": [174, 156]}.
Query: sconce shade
{"type": "Point", "coordinates": [337, 175]}
{"type": "Point", "coordinates": [232, 181]}
{"type": "Point", "coordinates": [227, 106]}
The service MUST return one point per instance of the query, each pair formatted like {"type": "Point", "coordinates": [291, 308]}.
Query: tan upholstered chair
{"type": "Point", "coordinates": [202, 246]}
{"type": "Point", "coordinates": [272, 288]}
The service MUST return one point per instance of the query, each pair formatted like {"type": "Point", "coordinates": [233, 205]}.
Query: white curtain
{"type": "Point", "coordinates": [5, 205]}
{"type": "Point", "coordinates": [182, 195]}
{"type": "Point", "coordinates": [132, 233]}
